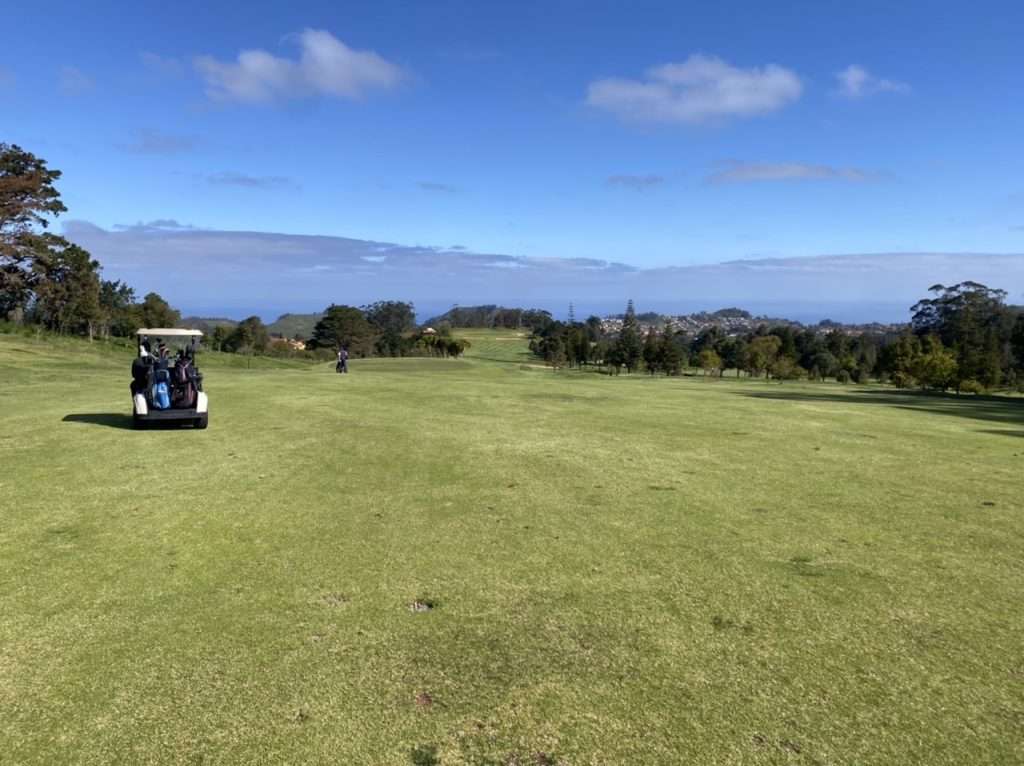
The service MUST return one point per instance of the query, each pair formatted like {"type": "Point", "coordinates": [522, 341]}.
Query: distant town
{"type": "Point", "coordinates": [736, 321]}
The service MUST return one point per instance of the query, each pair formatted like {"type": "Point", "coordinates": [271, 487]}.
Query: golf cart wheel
{"type": "Point", "coordinates": [203, 420]}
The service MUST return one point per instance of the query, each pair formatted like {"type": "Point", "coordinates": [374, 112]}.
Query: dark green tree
{"type": "Point", "coordinates": [652, 351]}
{"type": "Point", "coordinates": [67, 293]}
{"type": "Point", "coordinates": [27, 198]}
{"type": "Point", "coordinates": [732, 351]}
{"type": "Point", "coordinates": [972, 320]}
{"type": "Point", "coordinates": [119, 315]}
{"type": "Point", "coordinates": [249, 336]}
{"type": "Point", "coordinates": [344, 326]}
{"type": "Point", "coordinates": [154, 311]}
{"type": "Point", "coordinates": [1017, 345]}
{"type": "Point", "coordinates": [392, 320]}
{"type": "Point", "coordinates": [628, 349]}
{"type": "Point", "coordinates": [670, 353]}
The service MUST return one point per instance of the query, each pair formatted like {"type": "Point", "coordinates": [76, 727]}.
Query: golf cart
{"type": "Point", "coordinates": [166, 386]}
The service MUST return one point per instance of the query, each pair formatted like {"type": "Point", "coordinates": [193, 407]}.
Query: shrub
{"type": "Point", "coordinates": [843, 376]}
{"type": "Point", "coordinates": [903, 380]}
{"type": "Point", "coordinates": [971, 386]}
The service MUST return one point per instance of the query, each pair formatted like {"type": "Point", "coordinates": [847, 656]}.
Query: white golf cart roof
{"type": "Point", "coordinates": [168, 332]}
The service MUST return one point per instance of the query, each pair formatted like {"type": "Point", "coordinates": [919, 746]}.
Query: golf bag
{"type": "Point", "coordinates": [184, 388]}
{"type": "Point", "coordinates": [161, 392]}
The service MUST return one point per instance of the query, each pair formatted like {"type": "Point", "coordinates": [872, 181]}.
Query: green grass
{"type": "Point", "coordinates": [623, 570]}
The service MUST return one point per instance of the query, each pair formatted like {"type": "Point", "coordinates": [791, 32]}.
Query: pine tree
{"type": "Point", "coordinates": [628, 346]}
{"type": "Point", "coordinates": [670, 356]}
{"type": "Point", "coordinates": [651, 351]}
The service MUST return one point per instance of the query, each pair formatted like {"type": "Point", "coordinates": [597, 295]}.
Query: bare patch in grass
{"type": "Point", "coordinates": [423, 699]}
{"type": "Point", "coordinates": [661, 488]}
{"type": "Point", "coordinates": [424, 755]}
{"type": "Point", "coordinates": [333, 599]}
{"type": "Point", "coordinates": [805, 567]}
{"type": "Point", "coordinates": [720, 624]}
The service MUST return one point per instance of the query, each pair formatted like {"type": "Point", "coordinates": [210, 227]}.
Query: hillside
{"type": "Point", "coordinates": [295, 325]}
{"type": "Point", "coordinates": [206, 324]}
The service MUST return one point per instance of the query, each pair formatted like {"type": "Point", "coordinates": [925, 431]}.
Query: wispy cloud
{"type": "Point", "coordinates": [228, 178]}
{"type": "Point", "coordinates": [857, 82]}
{"type": "Point", "coordinates": [162, 66]}
{"type": "Point", "coordinates": [151, 141]}
{"type": "Point", "coordinates": [156, 225]}
{"type": "Point", "coordinates": [325, 67]}
{"type": "Point", "coordinates": [635, 182]}
{"type": "Point", "coordinates": [433, 186]}
{"type": "Point", "coordinates": [74, 82]}
{"type": "Point", "coordinates": [700, 89]}
{"type": "Point", "coordinates": [746, 172]}
{"type": "Point", "coordinates": [309, 272]}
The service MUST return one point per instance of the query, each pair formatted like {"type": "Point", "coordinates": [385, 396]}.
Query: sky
{"type": "Point", "coordinates": [577, 139]}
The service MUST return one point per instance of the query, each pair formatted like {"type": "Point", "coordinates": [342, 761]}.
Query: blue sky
{"type": "Point", "coordinates": [649, 134]}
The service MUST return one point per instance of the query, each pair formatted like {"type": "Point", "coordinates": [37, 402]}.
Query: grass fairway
{"type": "Point", "coordinates": [623, 570]}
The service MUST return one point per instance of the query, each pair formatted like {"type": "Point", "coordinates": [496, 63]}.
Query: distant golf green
{"type": "Point", "coordinates": [481, 561]}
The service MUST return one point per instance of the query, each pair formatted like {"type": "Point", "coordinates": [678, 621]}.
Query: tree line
{"type": "Point", "coordinates": [47, 281]}
{"type": "Point", "coordinates": [963, 337]}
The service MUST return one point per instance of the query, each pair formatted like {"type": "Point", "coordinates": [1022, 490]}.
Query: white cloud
{"type": "Point", "coordinates": [74, 82]}
{"type": "Point", "coordinates": [325, 67]}
{"type": "Point", "coordinates": [239, 265]}
{"type": "Point", "coordinates": [157, 225]}
{"type": "Point", "coordinates": [228, 178]}
{"type": "Point", "coordinates": [744, 172]}
{"type": "Point", "coordinates": [699, 89]}
{"type": "Point", "coordinates": [857, 82]}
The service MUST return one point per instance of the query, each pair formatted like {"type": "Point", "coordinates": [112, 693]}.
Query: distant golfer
{"type": "Point", "coordinates": [342, 365]}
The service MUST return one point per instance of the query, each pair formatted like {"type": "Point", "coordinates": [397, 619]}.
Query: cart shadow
{"type": "Point", "coordinates": [108, 419]}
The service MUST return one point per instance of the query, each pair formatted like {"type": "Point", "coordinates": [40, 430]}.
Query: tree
{"type": "Point", "coordinates": [670, 355]}
{"type": "Point", "coordinates": [392, 319]}
{"type": "Point", "coordinates": [651, 351]}
{"type": "Point", "coordinates": [249, 336]}
{"type": "Point", "coordinates": [761, 353]}
{"type": "Point", "coordinates": [709, 361]}
{"type": "Point", "coordinates": [344, 326]}
{"type": "Point", "coordinates": [1017, 344]}
{"type": "Point", "coordinates": [935, 366]}
{"type": "Point", "coordinates": [898, 357]}
{"type": "Point", "coordinates": [218, 337]}
{"type": "Point", "coordinates": [971, 320]}
{"type": "Point", "coordinates": [118, 312]}
{"type": "Point", "coordinates": [785, 368]}
{"type": "Point", "coordinates": [824, 365]}
{"type": "Point", "coordinates": [732, 351]}
{"type": "Point", "coordinates": [554, 352]}
{"type": "Point", "coordinates": [68, 291]}
{"type": "Point", "coordinates": [627, 349]}
{"type": "Point", "coordinates": [156, 312]}
{"type": "Point", "coordinates": [27, 197]}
